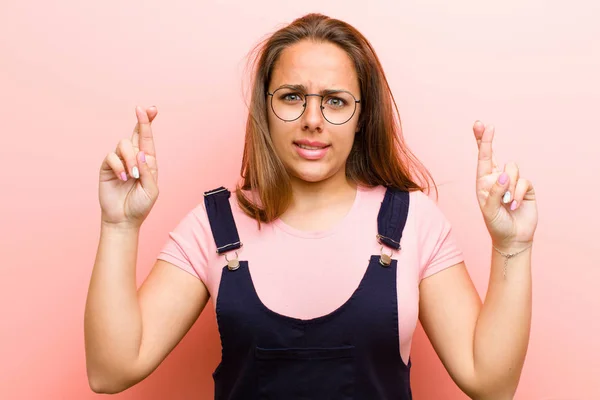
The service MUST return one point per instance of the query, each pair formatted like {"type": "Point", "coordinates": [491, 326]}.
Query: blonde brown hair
{"type": "Point", "coordinates": [379, 155]}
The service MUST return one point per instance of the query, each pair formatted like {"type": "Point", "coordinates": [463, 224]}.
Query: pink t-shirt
{"type": "Point", "coordinates": [307, 274]}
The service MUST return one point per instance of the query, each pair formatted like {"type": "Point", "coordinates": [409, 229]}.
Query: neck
{"type": "Point", "coordinates": [315, 195]}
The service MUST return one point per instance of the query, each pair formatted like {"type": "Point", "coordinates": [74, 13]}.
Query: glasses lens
{"type": "Point", "coordinates": [288, 104]}
{"type": "Point", "coordinates": [338, 107]}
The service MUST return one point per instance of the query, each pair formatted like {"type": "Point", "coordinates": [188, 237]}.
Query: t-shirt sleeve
{"type": "Point", "coordinates": [437, 243]}
{"type": "Point", "coordinates": [187, 244]}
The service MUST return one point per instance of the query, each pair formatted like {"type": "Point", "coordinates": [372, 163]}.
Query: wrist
{"type": "Point", "coordinates": [119, 227]}
{"type": "Point", "coordinates": [512, 247]}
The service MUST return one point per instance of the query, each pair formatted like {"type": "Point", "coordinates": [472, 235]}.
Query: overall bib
{"type": "Point", "coordinates": [352, 353]}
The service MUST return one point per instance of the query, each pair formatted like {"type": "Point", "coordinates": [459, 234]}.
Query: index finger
{"type": "Point", "coordinates": [485, 159]}
{"type": "Point", "coordinates": [142, 134]}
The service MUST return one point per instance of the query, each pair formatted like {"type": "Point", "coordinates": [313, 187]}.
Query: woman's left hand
{"type": "Point", "coordinates": [506, 199]}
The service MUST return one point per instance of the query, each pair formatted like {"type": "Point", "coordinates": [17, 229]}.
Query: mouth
{"type": "Point", "coordinates": [310, 144]}
{"type": "Point", "coordinates": [311, 150]}
{"type": "Point", "coordinates": [307, 147]}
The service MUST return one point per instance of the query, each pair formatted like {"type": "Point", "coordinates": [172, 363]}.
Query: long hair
{"type": "Point", "coordinates": [379, 155]}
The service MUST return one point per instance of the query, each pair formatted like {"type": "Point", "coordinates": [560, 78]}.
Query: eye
{"type": "Point", "coordinates": [291, 97]}
{"type": "Point", "coordinates": [336, 102]}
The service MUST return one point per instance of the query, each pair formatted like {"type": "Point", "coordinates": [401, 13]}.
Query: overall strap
{"type": "Point", "coordinates": [392, 217]}
{"type": "Point", "coordinates": [221, 220]}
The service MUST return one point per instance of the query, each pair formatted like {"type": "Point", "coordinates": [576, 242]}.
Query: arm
{"type": "Point", "coordinates": [483, 347]}
{"type": "Point", "coordinates": [129, 332]}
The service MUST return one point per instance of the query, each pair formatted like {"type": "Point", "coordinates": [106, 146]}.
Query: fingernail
{"type": "Point", "coordinates": [124, 176]}
{"type": "Point", "coordinates": [506, 197]}
{"type": "Point", "coordinates": [503, 178]}
{"type": "Point", "coordinates": [136, 173]}
{"type": "Point", "coordinates": [142, 157]}
{"type": "Point", "coordinates": [513, 206]}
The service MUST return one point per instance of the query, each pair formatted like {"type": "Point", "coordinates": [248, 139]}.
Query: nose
{"type": "Point", "coordinates": [312, 119]}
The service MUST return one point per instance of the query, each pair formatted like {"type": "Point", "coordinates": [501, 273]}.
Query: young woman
{"type": "Point", "coordinates": [327, 253]}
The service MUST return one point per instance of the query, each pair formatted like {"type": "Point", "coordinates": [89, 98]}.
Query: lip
{"type": "Point", "coordinates": [311, 154]}
{"type": "Point", "coordinates": [311, 144]}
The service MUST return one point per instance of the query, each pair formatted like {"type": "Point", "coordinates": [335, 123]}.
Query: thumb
{"type": "Point", "coordinates": [146, 176]}
{"type": "Point", "coordinates": [497, 191]}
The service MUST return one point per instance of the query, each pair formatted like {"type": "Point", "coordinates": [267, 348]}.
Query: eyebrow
{"type": "Point", "coordinates": [302, 88]}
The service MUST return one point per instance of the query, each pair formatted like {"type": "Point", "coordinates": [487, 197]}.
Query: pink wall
{"type": "Point", "coordinates": [71, 73]}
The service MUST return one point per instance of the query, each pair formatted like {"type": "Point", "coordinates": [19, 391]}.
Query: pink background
{"type": "Point", "coordinates": [71, 73]}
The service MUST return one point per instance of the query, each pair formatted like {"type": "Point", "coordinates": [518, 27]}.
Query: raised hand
{"type": "Point", "coordinates": [128, 183]}
{"type": "Point", "coordinates": [506, 199]}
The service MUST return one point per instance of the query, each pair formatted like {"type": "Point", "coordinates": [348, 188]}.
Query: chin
{"type": "Point", "coordinates": [312, 175]}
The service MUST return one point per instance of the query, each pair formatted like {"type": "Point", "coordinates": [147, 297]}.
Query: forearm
{"type": "Point", "coordinates": [112, 322]}
{"type": "Point", "coordinates": [502, 330]}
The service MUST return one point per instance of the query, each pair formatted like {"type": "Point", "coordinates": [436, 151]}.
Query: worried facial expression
{"type": "Point", "coordinates": [313, 109]}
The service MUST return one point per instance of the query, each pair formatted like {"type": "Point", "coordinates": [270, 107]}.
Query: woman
{"type": "Point", "coordinates": [323, 258]}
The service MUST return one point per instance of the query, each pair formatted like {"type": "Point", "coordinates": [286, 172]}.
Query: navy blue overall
{"type": "Point", "coordinates": [350, 353]}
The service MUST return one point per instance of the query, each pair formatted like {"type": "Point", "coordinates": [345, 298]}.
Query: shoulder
{"type": "Point", "coordinates": [423, 210]}
{"type": "Point", "coordinates": [423, 201]}
{"type": "Point", "coordinates": [197, 216]}
{"type": "Point", "coordinates": [430, 221]}
{"type": "Point", "coordinates": [419, 201]}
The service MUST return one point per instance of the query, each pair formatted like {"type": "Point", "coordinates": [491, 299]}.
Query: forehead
{"type": "Point", "coordinates": [318, 66]}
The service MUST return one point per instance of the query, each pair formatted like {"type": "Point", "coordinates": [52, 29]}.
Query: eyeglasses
{"type": "Point", "coordinates": [289, 103]}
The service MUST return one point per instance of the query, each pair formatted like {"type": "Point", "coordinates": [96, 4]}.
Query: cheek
{"type": "Point", "coordinates": [348, 142]}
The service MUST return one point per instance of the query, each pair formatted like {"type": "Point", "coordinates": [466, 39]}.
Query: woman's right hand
{"type": "Point", "coordinates": [128, 186]}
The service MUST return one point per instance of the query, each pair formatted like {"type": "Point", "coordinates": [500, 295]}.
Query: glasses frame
{"type": "Point", "coordinates": [306, 95]}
